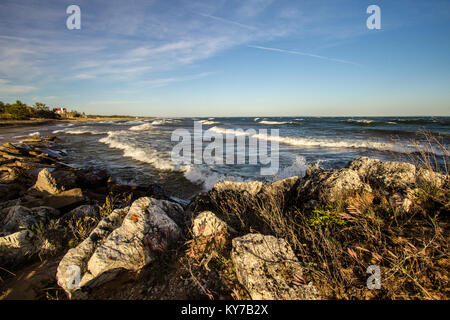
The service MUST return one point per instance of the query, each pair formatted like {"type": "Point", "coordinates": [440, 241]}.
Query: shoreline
{"type": "Point", "coordinates": [36, 122]}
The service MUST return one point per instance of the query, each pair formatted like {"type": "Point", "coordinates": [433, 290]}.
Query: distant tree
{"type": "Point", "coordinates": [18, 111]}
{"type": "Point", "coordinates": [74, 114]}
{"type": "Point", "coordinates": [2, 107]}
{"type": "Point", "coordinates": [42, 111]}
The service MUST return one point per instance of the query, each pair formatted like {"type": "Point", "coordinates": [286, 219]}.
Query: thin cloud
{"type": "Point", "coordinates": [227, 21]}
{"type": "Point", "coordinates": [304, 54]}
{"type": "Point", "coordinates": [6, 88]}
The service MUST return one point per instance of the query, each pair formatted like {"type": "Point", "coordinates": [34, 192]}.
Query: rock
{"type": "Point", "coordinates": [428, 178]}
{"type": "Point", "coordinates": [79, 256]}
{"type": "Point", "coordinates": [18, 217]}
{"type": "Point", "coordinates": [385, 175]}
{"type": "Point", "coordinates": [82, 212]}
{"type": "Point", "coordinates": [10, 191]}
{"type": "Point", "coordinates": [328, 186]}
{"type": "Point", "coordinates": [252, 187]}
{"type": "Point", "coordinates": [118, 244]}
{"type": "Point", "coordinates": [21, 217]}
{"type": "Point", "coordinates": [207, 224]}
{"type": "Point", "coordinates": [227, 194]}
{"type": "Point", "coordinates": [46, 213]}
{"type": "Point", "coordinates": [55, 181]}
{"type": "Point", "coordinates": [15, 248]}
{"type": "Point", "coordinates": [47, 183]}
{"type": "Point", "coordinates": [58, 201]}
{"type": "Point", "coordinates": [265, 266]}
{"type": "Point", "coordinates": [91, 178]}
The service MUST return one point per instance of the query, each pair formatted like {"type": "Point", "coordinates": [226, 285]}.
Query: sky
{"type": "Point", "coordinates": [179, 58]}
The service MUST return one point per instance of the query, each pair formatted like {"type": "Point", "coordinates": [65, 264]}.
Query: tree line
{"type": "Point", "coordinates": [21, 111]}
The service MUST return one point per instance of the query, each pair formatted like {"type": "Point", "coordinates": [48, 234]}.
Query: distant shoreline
{"type": "Point", "coordinates": [41, 122]}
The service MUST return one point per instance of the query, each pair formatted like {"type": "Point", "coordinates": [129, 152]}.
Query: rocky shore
{"type": "Point", "coordinates": [71, 233]}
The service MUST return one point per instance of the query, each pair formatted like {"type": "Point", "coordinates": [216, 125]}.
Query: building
{"type": "Point", "coordinates": [60, 111]}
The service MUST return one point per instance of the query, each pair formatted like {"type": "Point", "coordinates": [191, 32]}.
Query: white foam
{"type": "Point", "coordinates": [132, 150]}
{"type": "Point", "coordinates": [324, 143]}
{"type": "Point", "coordinates": [273, 122]}
{"type": "Point", "coordinates": [35, 134]}
{"type": "Point", "coordinates": [142, 127]}
{"type": "Point", "coordinates": [297, 168]}
{"type": "Point", "coordinates": [158, 122]}
{"type": "Point", "coordinates": [208, 122]}
{"type": "Point", "coordinates": [79, 131]}
{"type": "Point", "coordinates": [365, 121]}
{"type": "Point", "coordinates": [208, 178]}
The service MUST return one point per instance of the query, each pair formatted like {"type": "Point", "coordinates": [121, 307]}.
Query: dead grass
{"type": "Point", "coordinates": [338, 242]}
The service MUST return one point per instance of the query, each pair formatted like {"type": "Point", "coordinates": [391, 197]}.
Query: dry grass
{"type": "Point", "coordinates": [338, 242]}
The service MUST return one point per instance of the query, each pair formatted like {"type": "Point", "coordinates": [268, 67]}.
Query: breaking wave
{"type": "Point", "coordinates": [134, 150]}
{"type": "Point", "coordinates": [324, 143]}
{"type": "Point", "coordinates": [141, 127]}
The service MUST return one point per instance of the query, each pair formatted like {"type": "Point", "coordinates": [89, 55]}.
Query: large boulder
{"type": "Point", "coordinates": [82, 212]}
{"type": "Point", "coordinates": [227, 194]}
{"type": "Point", "coordinates": [395, 175]}
{"type": "Point", "coordinates": [58, 201]}
{"type": "Point", "coordinates": [15, 248]}
{"type": "Point", "coordinates": [54, 182]}
{"type": "Point", "coordinates": [125, 240]}
{"type": "Point", "coordinates": [46, 183]}
{"type": "Point", "coordinates": [19, 217]}
{"type": "Point", "coordinates": [265, 266]}
{"type": "Point", "coordinates": [384, 174]}
{"type": "Point", "coordinates": [327, 186]}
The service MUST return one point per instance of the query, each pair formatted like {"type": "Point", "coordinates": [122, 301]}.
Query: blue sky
{"type": "Point", "coordinates": [228, 57]}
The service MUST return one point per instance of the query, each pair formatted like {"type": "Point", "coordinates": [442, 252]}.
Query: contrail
{"type": "Point", "coordinates": [226, 21]}
{"type": "Point", "coordinates": [305, 54]}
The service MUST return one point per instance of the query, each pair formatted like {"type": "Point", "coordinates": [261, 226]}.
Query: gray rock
{"type": "Point", "coordinates": [78, 257]}
{"type": "Point", "coordinates": [328, 186]}
{"type": "Point", "coordinates": [265, 266]}
{"type": "Point", "coordinates": [46, 183]}
{"type": "Point", "coordinates": [15, 248]}
{"type": "Point", "coordinates": [252, 187]}
{"type": "Point", "coordinates": [384, 174]}
{"type": "Point", "coordinates": [82, 212]}
{"type": "Point", "coordinates": [121, 243]}
{"type": "Point", "coordinates": [18, 217]}
{"type": "Point", "coordinates": [46, 213]}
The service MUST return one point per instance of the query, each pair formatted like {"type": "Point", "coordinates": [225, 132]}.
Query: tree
{"type": "Point", "coordinates": [2, 107]}
{"type": "Point", "coordinates": [18, 111]}
{"type": "Point", "coordinates": [42, 111]}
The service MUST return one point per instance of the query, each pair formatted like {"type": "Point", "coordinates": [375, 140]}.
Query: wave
{"type": "Point", "coordinates": [80, 132]}
{"type": "Point", "coordinates": [324, 143]}
{"type": "Point", "coordinates": [141, 127]}
{"type": "Point", "coordinates": [208, 122]}
{"type": "Point", "coordinates": [135, 151]}
{"type": "Point", "coordinates": [297, 168]}
{"type": "Point", "coordinates": [208, 178]}
{"type": "Point", "coordinates": [160, 121]}
{"type": "Point", "coordinates": [35, 134]}
{"type": "Point", "coordinates": [274, 122]}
